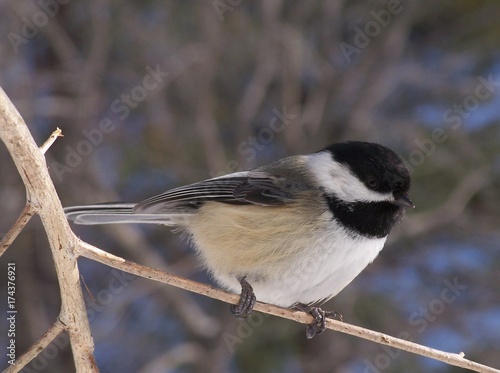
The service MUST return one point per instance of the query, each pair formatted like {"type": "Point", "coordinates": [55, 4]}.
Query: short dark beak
{"type": "Point", "coordinates": [403, 201]}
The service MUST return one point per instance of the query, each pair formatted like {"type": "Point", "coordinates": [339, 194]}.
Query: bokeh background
{"type": "Point", "coordinates": [155, 94]}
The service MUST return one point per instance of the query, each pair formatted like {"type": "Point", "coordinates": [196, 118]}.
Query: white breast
{"type": "Point", "coordinates": [296, 254]}
{"type": "Point", "coordinates": [323, 271]}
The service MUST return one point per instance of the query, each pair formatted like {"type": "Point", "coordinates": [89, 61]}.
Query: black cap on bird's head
{"type": "Point", "coordinates": [377, 167]}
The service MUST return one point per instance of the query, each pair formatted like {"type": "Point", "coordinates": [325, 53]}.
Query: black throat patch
{"type": "Point", "coordinates": [370, 219]}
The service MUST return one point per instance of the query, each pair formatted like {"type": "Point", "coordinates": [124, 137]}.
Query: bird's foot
{"type": "Point", "coordinates": [318, 326]}
{"type": "Point", "coordinates": [247, 300]}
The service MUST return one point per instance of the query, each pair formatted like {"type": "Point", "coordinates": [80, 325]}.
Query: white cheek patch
{"type": "Point", "coordinates": [338, 179]}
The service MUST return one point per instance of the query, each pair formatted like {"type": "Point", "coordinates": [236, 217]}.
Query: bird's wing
{"type": "Point", "coordinates": [249, 187]}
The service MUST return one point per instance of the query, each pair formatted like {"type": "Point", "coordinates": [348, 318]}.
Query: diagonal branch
{"type": "Point", "coordinates": [18, 226]}
{"type": "Point", "coordinates": [52, 138]}
{"type": "Point", "coordinates": [34, 350]}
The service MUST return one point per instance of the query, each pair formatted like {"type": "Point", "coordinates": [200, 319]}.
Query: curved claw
{"type": "Point", "coordinates": [246, 303]}
{"type": "Point", "coordinates": [318, 326]}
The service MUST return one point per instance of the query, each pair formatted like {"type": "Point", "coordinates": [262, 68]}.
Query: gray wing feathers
{"type": "Point", "coordinates": [260, 187]}
{"type": "Point", "coordinates": [251, 187]}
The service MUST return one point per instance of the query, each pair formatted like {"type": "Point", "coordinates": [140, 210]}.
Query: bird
{"type": "Point", "coordinates": [292, 233]}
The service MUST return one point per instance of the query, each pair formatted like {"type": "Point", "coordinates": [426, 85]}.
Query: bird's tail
{"type": "Point", "coordinates": [113, 213]}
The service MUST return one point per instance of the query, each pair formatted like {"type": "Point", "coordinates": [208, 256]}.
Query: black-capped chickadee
{"type": "Point", "coordinates": [292, 233]}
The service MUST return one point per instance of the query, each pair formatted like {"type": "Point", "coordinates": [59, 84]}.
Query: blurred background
{"type": "Point", "coordinates": [156, 94]}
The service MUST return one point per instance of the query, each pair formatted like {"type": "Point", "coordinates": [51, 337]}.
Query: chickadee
{"type": "Point", "coordinates": [292, 233]}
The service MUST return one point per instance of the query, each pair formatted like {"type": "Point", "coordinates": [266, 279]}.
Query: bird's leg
{"type": "Point", "coordinates": [318, 326]}
{"type": "Point", "coordinates": [247, 300]}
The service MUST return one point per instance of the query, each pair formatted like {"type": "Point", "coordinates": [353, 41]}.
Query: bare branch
{"type": "Point", "coordinates": [34, 350]}
{"type": "Point", "coordinates": [52, 138]}
{"type": "Point", "coordinates": [29, 210]}
{"type": "Point", "coordinates": [18, 226]}
{"type": "Point", "coordinates": [43, 199]}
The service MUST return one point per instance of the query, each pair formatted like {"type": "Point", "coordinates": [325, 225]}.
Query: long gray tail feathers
{"type": "Point", "coordinates": [113, 213]}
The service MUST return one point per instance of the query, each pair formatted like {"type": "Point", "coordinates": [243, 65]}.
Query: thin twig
{"type": "Point", "coordinates": [35, 350]}
{"type": "Point", "coordinates": [91, 252]}
{"type": "Point", "coordinates": [52, 138]}
{"type": "Point", "coordinates": [29, 209]}
{"type": "Point", "coordinates": [18, 226]}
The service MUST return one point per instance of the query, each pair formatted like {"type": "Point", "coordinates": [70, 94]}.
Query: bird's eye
{"type": "Point", "coordinates": [372, 182]}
